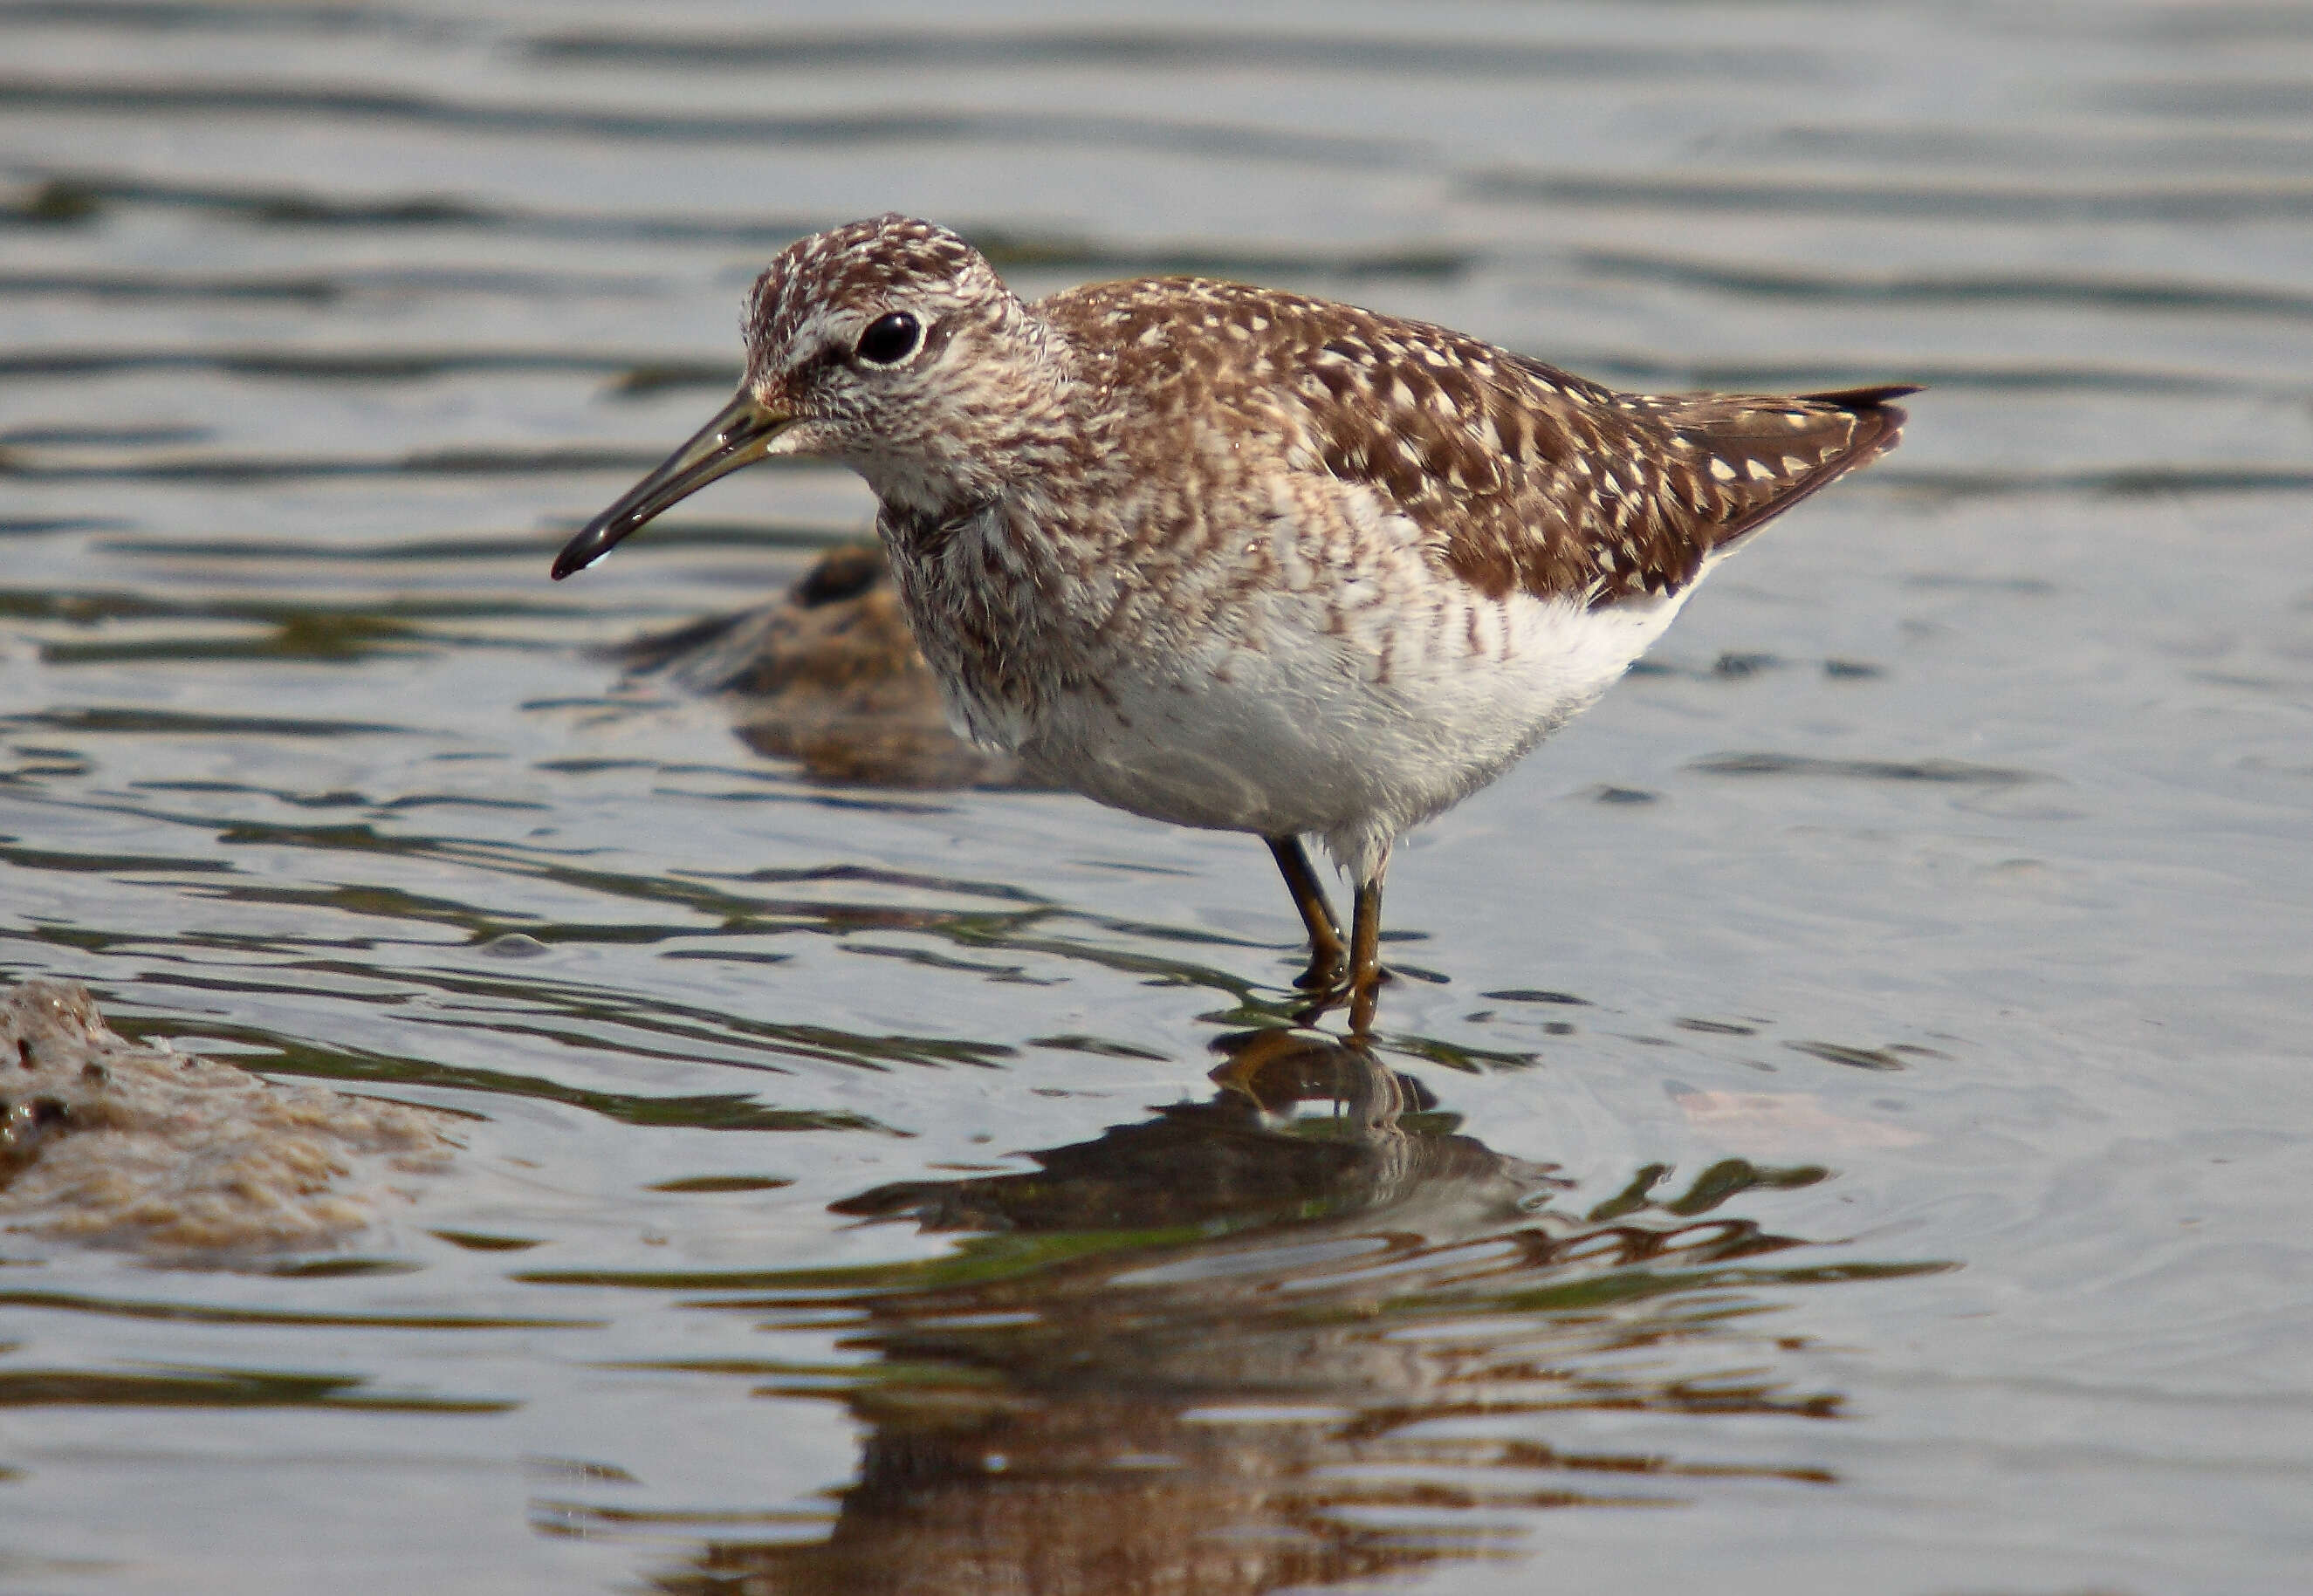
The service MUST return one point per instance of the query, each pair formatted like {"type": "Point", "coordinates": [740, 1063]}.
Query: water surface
{"type": "Point", "coordinates": [1843, 1122]}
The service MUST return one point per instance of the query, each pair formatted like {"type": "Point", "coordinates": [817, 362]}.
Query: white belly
{"type": "Point", "coordinates": [1287, 729]}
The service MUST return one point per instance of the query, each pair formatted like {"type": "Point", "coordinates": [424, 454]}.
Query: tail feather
{"type": "Point", "coordinates": [1767, 456]}
{"type": "Point", "coordinates": [1881, 424]}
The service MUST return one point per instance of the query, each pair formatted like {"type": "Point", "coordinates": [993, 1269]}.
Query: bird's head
{"type": "Point", "coordinates": [888, 345]}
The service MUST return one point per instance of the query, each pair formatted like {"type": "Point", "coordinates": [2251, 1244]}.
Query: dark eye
{"type": "Point", "coordinates": [890, 338]}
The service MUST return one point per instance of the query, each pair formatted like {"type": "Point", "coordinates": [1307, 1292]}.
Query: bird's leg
{"type": "Point", "coordinates": [1365, 953]}
{"type": "Point", "coordinates": [1327, 954]}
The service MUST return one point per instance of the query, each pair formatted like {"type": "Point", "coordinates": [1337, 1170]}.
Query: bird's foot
{"type": "Point", "coordinates": [1359, 992]}
{"type": "Point", "coordinates": [1327, 970]}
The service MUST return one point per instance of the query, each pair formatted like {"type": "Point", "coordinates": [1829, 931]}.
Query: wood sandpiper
{"type": "Point", "coordinates": [1235, 558]}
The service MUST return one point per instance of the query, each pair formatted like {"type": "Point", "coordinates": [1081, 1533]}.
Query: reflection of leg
{"type": "Point", "coordinates": [1326, 954]}
{"type": "Point", "coordinates": [1365, 954]}
{"type": "Point", "coordinates": [1270, 1070]}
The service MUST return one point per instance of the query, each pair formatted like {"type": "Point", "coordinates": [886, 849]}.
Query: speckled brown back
{"type": "Point", "coordinates": [1524, 477]}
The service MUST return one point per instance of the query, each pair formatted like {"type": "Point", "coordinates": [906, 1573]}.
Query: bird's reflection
{"type": "Point", "coordinates": [1301, 1333]}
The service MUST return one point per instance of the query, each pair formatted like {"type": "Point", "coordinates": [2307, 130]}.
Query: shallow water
{"type": "Point", "coordinates": [1843, 1122]}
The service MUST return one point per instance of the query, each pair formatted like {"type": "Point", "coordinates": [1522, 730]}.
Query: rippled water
{"type": "Point", "coordinates": [1844, 1122]}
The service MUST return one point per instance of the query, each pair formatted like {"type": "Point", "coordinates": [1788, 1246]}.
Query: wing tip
{"type": "Point", "coordinates": [1866, 399]}
{"type": "Point", "coordinates": [1882, 420]}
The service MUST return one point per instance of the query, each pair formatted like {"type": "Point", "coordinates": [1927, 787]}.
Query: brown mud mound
{"type": "Point", "coordinates": [829, 676]}
{"type": "Point", "coordinates": [113, 1142]}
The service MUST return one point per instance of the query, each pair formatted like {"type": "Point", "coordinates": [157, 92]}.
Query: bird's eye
{"type": "Point", "coordinates": [890, 338]}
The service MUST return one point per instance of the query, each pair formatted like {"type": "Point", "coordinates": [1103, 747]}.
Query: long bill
{"type": "Point", "coordinates": [740, 436]}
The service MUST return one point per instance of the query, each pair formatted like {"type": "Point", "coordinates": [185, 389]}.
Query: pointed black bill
{"type": "Point", "coordinates": [740, 436]}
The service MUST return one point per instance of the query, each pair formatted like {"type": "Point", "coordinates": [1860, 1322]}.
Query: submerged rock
{"type": "Point", "coordinates": [830, 676]}
{"type": "Point", "coordinates": [113, 1142]}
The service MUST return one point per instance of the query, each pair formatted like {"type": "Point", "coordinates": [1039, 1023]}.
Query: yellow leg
{"type": "Point", "coordinates": [1365, 956]}
{"type": "Point", "coordinates": [1327, 955]}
